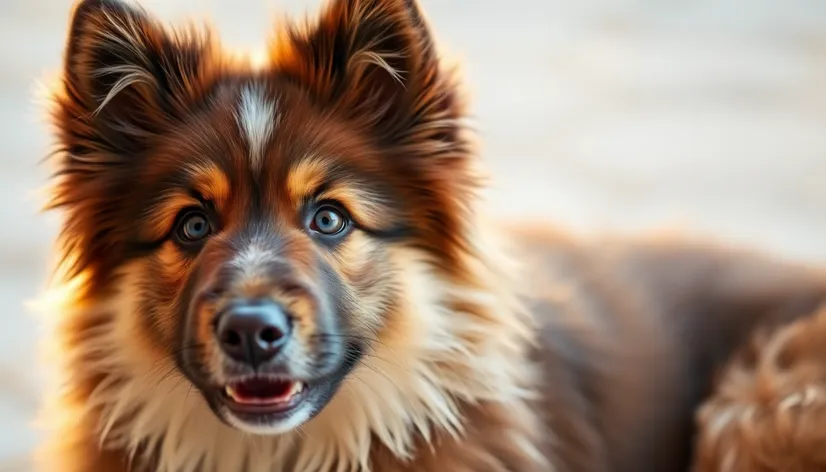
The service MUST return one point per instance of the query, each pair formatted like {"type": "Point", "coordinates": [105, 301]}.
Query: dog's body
{"type": "Point", "coordinates": [635, 334]}
{"type": "Point", "coordinates": [284, 269]}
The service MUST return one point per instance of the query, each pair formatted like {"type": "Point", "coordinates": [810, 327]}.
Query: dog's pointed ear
{"type": "Point", "coordinates": [125, 80]}
{"type": "Point", "coordinates": [374, 60]}
{"type": "Point", "coordinates": [125, 76]}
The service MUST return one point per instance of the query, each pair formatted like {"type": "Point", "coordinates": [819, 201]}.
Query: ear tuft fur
{"type": "Point", "coordinates": [375, 61]}
{"type": "Point", "coordinates": [125, 75]}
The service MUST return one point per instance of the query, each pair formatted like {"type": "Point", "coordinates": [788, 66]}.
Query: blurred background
{"type": "Point", "coordinates": [600, 115]}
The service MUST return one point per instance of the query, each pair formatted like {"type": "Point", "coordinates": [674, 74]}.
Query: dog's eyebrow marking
{"type": "Point", "coordinates": [307, 175]}
{"type": "Point", "coordinates": [257, 118]}
{"type": "Point", "coordinates": [159, 215]}
{"type": "Point", "coordinates": [210, 181]}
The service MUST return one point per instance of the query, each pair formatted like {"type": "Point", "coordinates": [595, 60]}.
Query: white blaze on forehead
{"type": "Point", "coordinates": [257, 117]}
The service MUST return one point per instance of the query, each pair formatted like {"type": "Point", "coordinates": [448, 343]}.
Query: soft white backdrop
{"type": "Point", "coordinates": [596, 114]}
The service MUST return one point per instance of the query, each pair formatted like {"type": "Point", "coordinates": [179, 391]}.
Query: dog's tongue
{"type": "Point", "coordinates": [257, 391]}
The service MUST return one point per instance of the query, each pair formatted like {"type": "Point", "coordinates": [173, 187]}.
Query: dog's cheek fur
{"type": "Point", "coordinates": [164, 276]}
{"type": "Point", "coordinates": [368, 280]}
{"type": "Point", "coordinates": [110, 363]}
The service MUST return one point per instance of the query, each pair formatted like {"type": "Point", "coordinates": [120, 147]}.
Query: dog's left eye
{"type": "Point", "coordinates": [193, 227]}
{"type": "Point", "coordinates": [328, 221]}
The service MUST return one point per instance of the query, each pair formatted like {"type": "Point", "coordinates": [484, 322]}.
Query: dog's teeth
{"type": "Point", "coordinates": [297, 388]}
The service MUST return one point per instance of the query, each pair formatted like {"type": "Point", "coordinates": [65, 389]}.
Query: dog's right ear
{"type": "Point", "coordinates": [125, 81]}
{"type": "Point", "coordinates": [125, 77]}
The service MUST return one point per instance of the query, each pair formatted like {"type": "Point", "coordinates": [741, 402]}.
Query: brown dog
{"type": "Point", "coordinates": [285, 268]}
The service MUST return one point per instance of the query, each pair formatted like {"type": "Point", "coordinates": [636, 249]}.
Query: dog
{"type": "Point", "coordinates": [286, 265]}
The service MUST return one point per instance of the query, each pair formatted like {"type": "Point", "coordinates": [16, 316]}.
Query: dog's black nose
{"type": "Point", "coordinates": [254, 331]}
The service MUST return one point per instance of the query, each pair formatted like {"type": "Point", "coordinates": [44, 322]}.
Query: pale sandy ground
{"type": "Point", "coordinates": [599, 114]}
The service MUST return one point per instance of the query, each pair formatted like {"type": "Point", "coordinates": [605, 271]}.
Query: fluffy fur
{"type": "Point", "coordinates": [769, 408]}
{"type": "Point", "coordinates": [434, 351]}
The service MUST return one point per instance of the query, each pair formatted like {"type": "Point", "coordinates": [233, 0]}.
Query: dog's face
{"type": "Point", "coordinates": [268, 261]}
{"type": "Point", "coordinates": [261, 219]}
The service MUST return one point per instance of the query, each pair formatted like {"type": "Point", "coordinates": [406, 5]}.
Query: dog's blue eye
{"type": "Point", "coordinates": [328, 221]}
{"type": "Point", "coordinates": [194, 227]}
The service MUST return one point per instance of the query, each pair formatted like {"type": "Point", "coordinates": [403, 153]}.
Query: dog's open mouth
{"type": "Point", "coordinates": [270, 403]}
{"type": "Point", "coordinates": [264, 395]}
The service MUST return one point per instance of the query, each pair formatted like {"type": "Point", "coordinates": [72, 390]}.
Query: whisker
{"type": "Point", "coordinates": [356, 377]}
{"type": "Point", "coordinates": [381, 373]}
{"type": "Point", "coordinates": [356, 337]}
{"type": "Point", "coordinates": [345, 336]}
{"type": "Point", "coordinates": [171, 357]}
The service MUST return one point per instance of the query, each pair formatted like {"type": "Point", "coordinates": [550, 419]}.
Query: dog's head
{"type": "Point", "coordinates": [275, 226]}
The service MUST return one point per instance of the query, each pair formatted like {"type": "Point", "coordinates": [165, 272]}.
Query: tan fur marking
{"type": "Point", "coordinates": [207, 179]}
{"type": "Point", "coordinates": [306, 176]}
{"type": "Point", "coordinates": [163, 216]}
{"type": "Point", "coordinates": [211, 182]}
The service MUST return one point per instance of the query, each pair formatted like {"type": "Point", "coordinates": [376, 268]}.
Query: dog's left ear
{"type": "Point", "coordinates": [375, 61]}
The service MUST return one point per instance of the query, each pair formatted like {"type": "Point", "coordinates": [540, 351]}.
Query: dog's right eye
{"type": "Point", "coordinates": [193, 227]}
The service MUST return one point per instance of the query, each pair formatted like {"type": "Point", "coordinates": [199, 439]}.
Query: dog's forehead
{"type": "Point", "coordinates": [273, 127]}
{"type": "Point", "coordinates": [258, 145]}
{"type": "Point", "coordinates": [239, 129]}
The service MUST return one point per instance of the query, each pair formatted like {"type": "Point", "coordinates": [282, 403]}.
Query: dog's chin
{"type": "Point", "coordinates": [272, 404]}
